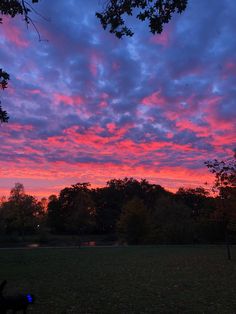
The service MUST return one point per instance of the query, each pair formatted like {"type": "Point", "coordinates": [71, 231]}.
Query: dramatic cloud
{"type": "Point", "coordinates": [85, 106]}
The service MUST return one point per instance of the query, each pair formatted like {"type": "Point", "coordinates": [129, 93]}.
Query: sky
{"type": "Point", "coordinates": [85, 106]}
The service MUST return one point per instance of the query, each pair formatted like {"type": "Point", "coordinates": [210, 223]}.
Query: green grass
{"type": "Point", "coordinates": [165, 279]}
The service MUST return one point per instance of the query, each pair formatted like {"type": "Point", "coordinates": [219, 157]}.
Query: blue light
{"type": "Point", "coordinates": [29, 298]}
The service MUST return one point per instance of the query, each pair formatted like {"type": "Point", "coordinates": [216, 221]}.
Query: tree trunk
{"type": "Point", "coordinates": [227, 244]}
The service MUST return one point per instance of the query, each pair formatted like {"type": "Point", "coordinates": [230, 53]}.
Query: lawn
{"type": "Point", "coordinates": [162, 279]}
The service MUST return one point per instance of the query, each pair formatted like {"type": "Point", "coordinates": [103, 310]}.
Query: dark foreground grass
{"type": "Point", "coordinates": [170, 279]}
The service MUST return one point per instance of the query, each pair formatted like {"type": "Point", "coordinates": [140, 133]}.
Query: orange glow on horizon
{"type": "Point", "coordinates": [170, 178]}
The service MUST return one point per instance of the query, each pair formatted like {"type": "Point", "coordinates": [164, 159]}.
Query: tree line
{"type": "Point", "coordinates": [135, 211]}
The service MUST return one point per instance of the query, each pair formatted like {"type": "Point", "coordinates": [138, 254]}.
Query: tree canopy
{"type": "Point", "coordinates": [157, 13]}
{"type": "Point", "coordinates": [125, 210]}
{"type": "Point", "coordinates": [4, 77]}
{"type": "Point", "coordinates": [225, 172]}
{"type": "Point", "coordinates": [225, 183]}
{"type": "Point", "coordinates": [21, 213]}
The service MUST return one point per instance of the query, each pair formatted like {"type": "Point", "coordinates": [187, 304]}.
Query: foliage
{"type": "Point", "coordinates": [21, 213]}
{"type": "Point", "coordinates": [73, 211]}
{"type": "Point", "coordinates": [108, 203]}
{"type": "Point", "coordinates": [225, 183]}
{"type": "Point", "coordinates": [157, 13]}
{"type": "Point", "coordinates": [16, 7]}
{"type": "Point", "coordinates": [4, 78]}
{"type": "Point", "coordinates": [110, 200]}
{"type": "Point", "coordinates": [136, 211]}
{"type": "Point", "coordinates": [3, 115]}
{"type": "Point", "coordinates": [224, 171]}
{"type": "Point", "coordinates": [169, 220]}
{"type": "Point", "coordinates": [132, 225]}
{"type": "Point", "coordinates": [55, 215]}
{"type": "Point", "coordinates": [197, 199]}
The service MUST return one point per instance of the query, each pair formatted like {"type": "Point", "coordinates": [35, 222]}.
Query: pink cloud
{"type": "Point", "coordinates": [111, 127]}
{"type": "Point", "coordinates": [34, 91]}
{"type": "Point", "coordinates": [200, 130]}
{"type": "Point", "coordinates": [104, 100]}
{"type": "Point", "coordinates": [154, 99]}
{"type": "Point", "coordinates": [68, 100]}
{"type": "Point", "coordinates": [13, 34]}
{"type": "Point", "coordinates": [162, 39]}
{"type": "Point", "coordinates": [18, 127]}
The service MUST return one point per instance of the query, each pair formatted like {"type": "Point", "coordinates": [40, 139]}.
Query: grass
{"type": "Point", "coordinates": [164, 279]}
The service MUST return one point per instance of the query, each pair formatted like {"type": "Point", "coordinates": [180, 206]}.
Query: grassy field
{"type": "Point", "coordinates": [165, 279]}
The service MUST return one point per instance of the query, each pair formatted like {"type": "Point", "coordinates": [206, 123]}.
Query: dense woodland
{"type": "Point", "coordinates": [132, 211]}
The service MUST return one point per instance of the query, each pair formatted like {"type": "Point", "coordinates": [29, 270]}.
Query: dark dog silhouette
{"type": "Point", "coordinates": [15, 303]}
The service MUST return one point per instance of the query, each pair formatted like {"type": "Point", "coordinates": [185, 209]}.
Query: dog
{"type": "Point", "coordinates": [15, 303]}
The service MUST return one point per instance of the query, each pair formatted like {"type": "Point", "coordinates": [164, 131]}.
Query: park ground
{"type": "Point", "coordinates": [124, 280]}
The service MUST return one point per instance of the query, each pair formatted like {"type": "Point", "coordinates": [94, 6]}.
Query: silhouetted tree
{"type": "Point", "coordinates": [78, 208]}
{"type": "Point", "coordinates": [4, 77]}
{"type": "Point", "coordinates": [16, 7]}
{"type": "Point", "coordinates": [202, 207]}
{"type": "Point", "coordinates": [3, 115]}
{"type": "Point", "coordinates": [225, 183]}
{"type": "Point", "coordinates": [132, 226]}
{"type": "Point", "coordinates": [224, 171]}
{"type": "Point", "coordinates": [196, 199]}
{"type": "Point", "coordinates": [110, 200]}
{"type": "Point", "coordinates": [56, 215]}
{"type": "Point", "coordinates": [21, 213]}
{"type": "Point", "coordinates": [156, 12]}
{"type": "Point", "coordinates": [108, 207]}
{"type": "Point", "coordinates": [170, 221]}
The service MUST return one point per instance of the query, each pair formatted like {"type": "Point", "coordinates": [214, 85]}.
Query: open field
{"type": "Point", "coordinates": [162, 279]}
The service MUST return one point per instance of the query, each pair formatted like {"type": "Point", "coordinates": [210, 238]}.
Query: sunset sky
{"type": "Point", "coordinates": [85, 106]}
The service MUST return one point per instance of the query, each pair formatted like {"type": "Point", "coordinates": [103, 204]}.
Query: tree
{"type": "Point", "coordinates": [108, 207]}
{"type": "Point", "coordinates": [4, 77]}
{"type": "Point", "coordinates": [56, 221]}
{"type": "Point", "coordinates": [170, 220]}
{"type": "Point", "coordinates": [16, 7]}
{"type": "Point", "coordinates": [202, 207]}
{"type": "Point", "coordinates": [3, 115]}
{"type": "Point", "coordinates": [132, 226]}
{"type": "Point", "coordinates": [17, 192]}
{"type": "Point", "coordinates": [225, 184]}
{"type": "Point", "coordinates": [110, 200]}
{"type": "Point", "coordinates": [225, 172]}
{"type": "Point", "coordinates": [196, 199]}
{"type": "Point", "coordinates": [21, 213]}
{"type": "Point", "coordinates": [77, 207]}
{"type": "Point", "coordinates": [157, 13]}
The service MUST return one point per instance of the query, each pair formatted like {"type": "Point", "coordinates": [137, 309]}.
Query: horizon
{"type": "Point", "coordinates": [205, 186]}
{"type": "Point", "coordinates": [85, 106]}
